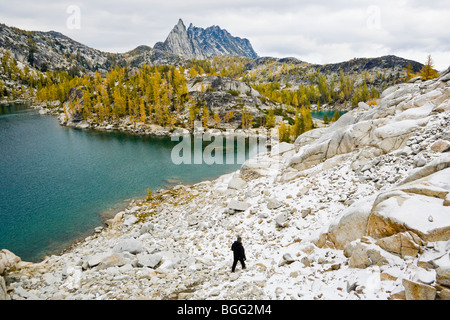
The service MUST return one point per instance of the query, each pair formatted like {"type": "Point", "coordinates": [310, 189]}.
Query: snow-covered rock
{"type": "Point", "coordinates": [346, 212]}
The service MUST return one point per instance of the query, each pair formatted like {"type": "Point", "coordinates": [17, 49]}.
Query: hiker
{"type": "Point", "coordinates": [238, 254]}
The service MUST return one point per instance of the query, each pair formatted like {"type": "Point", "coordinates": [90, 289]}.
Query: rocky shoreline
{"type": "Point", "coordinates": [357, 210]}
{"type": "Point", "coordinates": [149, 129]}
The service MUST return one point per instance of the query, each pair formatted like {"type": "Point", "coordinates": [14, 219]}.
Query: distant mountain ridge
{"type": "Point", "coordinates": [200, 43]}
{"type": "Point", "coordinates": [54, 51]}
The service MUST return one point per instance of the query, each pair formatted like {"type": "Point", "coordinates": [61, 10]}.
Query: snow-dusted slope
{"type": "Point", "coordinates": [359, 210]}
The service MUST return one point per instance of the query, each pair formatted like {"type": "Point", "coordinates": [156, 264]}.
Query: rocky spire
{"type": "Point", "coordinates": [178, 42]}
{"type": "Point", "coordinates": [201, 43]}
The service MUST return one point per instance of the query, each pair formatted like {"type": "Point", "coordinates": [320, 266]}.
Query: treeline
{"type": "Point", "coordinates": [322, 90]}
{"type": "Point", "coordinates": [225, 66]}
{"type": "Point", "coordinates": [149, 95]}
{"type": "Point", "coordinates": [159, 94]}
{"type": "Point", "coordinates": [23, 81]}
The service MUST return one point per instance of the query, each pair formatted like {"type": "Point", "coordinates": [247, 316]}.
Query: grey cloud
{"type": "Point", "coordinates": [318, 29]}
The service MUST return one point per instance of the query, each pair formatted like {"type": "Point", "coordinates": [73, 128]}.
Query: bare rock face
{"type": "Point", "coordinates": [222, 94]}
{"type": "Point", "coordinates": [53, 50]}
{"type": "Point", "coordinates": [418, 291]}
{"type": "Point", "coordinates": [200, 43]}
{"type": "Point", "coordinates": [403, 244]}
{"type": "Point", "coordinates": [3, 294]}
{"type": "Point", "coordinates": [411, 219]}
{"type": "Point", "coordinates": [179, 42]}
{"type": "Point", "coordinates": [403, 110]}
{"type": "Point", "coordinates": [362, 255]}
{"type": "Point", "coordinates": [8, 260]}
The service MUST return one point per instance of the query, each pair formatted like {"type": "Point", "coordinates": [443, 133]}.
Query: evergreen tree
{"type": "Point", "coordinates": [216, 119]}
{"type": "Point", "coordinates": [142, 111]}
{"type": "Point", "coordinates": [205, 117]}
{"type": "Point", "coordinates": [409, 72]}
{"type": "Point", "coordinates": [307, 119]}
{"type": "Point", "coordinates": [299, 126]}
{"type": "Point", "coordinates": [428, 72]}
{"type": "Point", "coordinates": [336, 116]}
{"type": "Point", "coordinates": [247, 119]}
{"type": "Point", "coordinates": [120, 104]}
{"type": "Point", "coordinates": [284, 134]}
{"type": "Point", "coordinates": [193, 112]}
{"type": "Point", "coordinates": [149, 195]}
{"type": "Point", "coordinates": [229, 115]}
{"type": "Point", "coordinates": [270, 119]}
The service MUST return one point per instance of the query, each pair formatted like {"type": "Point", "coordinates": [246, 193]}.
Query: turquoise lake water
{"type": "Point", "coordinates": [320, 114]}
{"type": "Point", "coordinates": [57, 183]}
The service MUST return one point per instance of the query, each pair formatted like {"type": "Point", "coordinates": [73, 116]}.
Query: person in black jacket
{"type": "Point", "coordinates": [238, 254]}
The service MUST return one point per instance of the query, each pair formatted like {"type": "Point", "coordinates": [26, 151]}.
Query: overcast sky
{"type": "Point", "coordinates": [313, 31]}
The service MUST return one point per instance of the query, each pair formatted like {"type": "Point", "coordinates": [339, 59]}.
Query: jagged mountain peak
{"type": "Point", "coordinates": [200, 43]}
{"type": "Point", "coordinates": [180, 24]}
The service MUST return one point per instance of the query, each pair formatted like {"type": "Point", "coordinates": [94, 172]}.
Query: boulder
{"type": "Point", "coordinates": [132, 246]}
{"type": "Point", "coordinates": [443, 275]}
{"type": "Point", "coordinates": [282, 220]}
{"type": "Point", "coordinates": [351, 132]}
{"type": "Point", "coordinates": [424, 276]}
{"type": "Point", "coordinates": [116, 220]}
{"type": "Point", "coordinates": [129, 220]}
{"type": "Point", "coordinates": [402, 244]}
{"type": "Point", "coordinates": [440, 146]}
{"type": "Point", "coordinates": [237, 184]}
{"type": "Point", "coordinates": [443, 270]}
{"type": "Point", "coordinates": [351, 225]}
{"type": "Point", "coordinates": [417, 206]}
{"type": "Point", "coordinates": [444, 294]}
{"type": "Point", "coordinates": [362, 255]}
{"type": "Point", "coordinates": [3, 292]}
{"type": "Point", "coordinates": [82, 125]}
{"type": "Point", "coordinates": [436, 165]}
{"type": "Point", "coordinates": [399, 212]}
{"type": "Point", "coordinates": [148, 260]}
{"type": "Point", "coordinates": [95, 259]}
{"type": "Point", "coordinates": [146, 228]}
{"type": "Point", "coordinates": [315, 144]}
{"type": "Point", "coordinates": [8, 260]}
{"type": "Point", "coordinates": [257, 163]}
{"type": "Point", "coordinates": [416, 113]}
{"type": "Point", "coordinates": [238, 205]}
{"type": "Point", "coordinates": [444, 76]}
{"type": "Point", "coordinates": [114, 260]}
{"type": "Point", "coordinates": [287, 257]}
{"type": "Point", "coordinates": [418, 291]}
{"type": "Point", "coordinates": [72, 274]}
{"type": "Point", "coordinates": [273, 204]}
{"type": "Point", "coordinates": [420, 161]}
{"type": "Point", "coordinates": [422, 99]}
